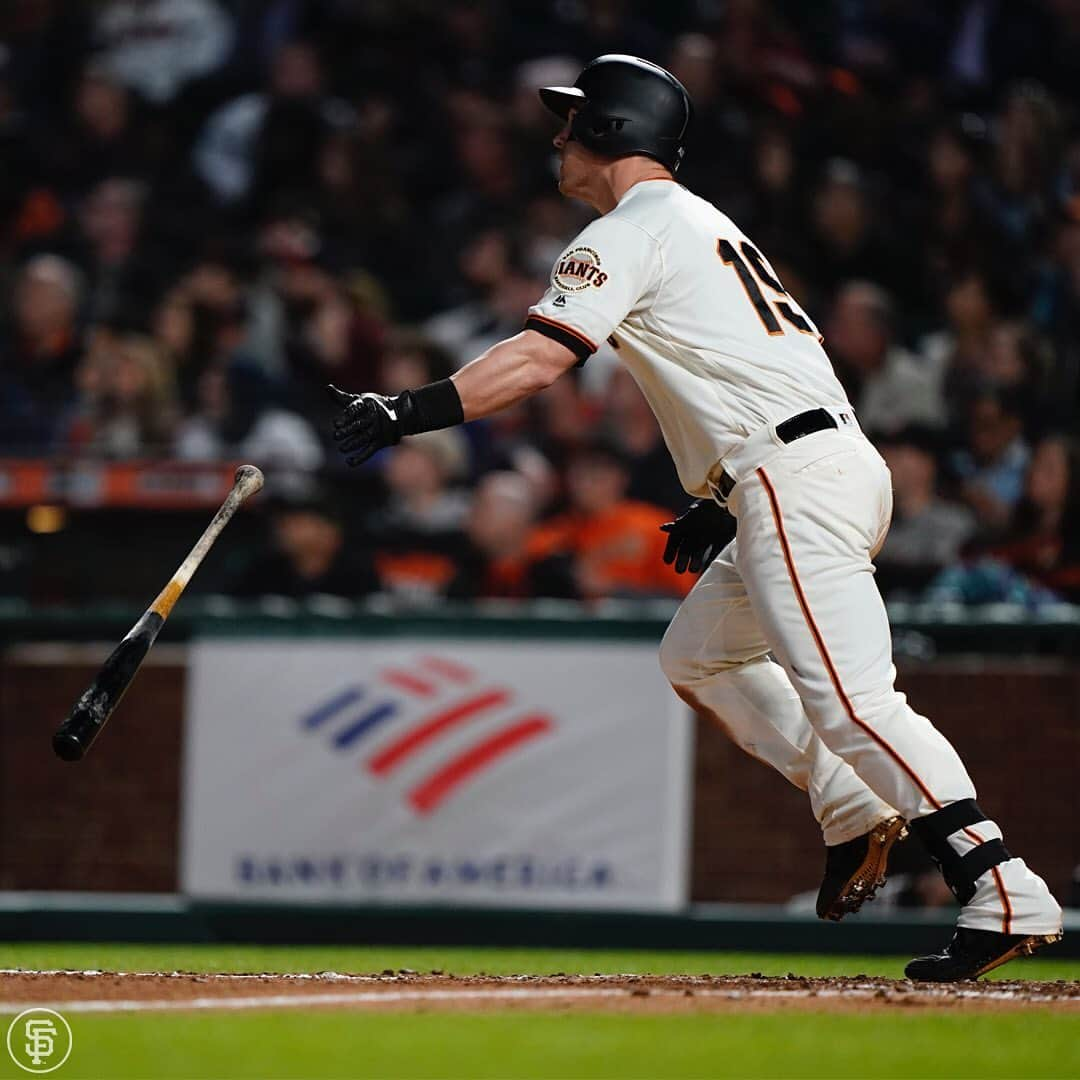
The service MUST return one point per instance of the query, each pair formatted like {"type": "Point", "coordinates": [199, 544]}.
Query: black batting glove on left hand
{"type": "Point", "coordinates": [696, 536]}
{"type": "Point", "coordinates": [367, 424]}
{"type": "Point", "coordinates": [370, 422]}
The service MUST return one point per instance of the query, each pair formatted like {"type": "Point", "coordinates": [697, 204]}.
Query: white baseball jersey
{"type": "Point", "coordinates": [784, 640]}
{"type": "Point", "coordinates": [696, 314]}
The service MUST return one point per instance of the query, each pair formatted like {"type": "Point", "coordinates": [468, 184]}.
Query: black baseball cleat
{"type": "Point", "coordinates": [855, 870]}
{"type": "Point", "coordinates": [972, 953]}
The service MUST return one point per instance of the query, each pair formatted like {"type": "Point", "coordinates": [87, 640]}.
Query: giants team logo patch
{"type": "Point", "coordinates": [577, 270]}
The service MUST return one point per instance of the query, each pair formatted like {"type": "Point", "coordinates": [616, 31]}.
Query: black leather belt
{"type": "Point", "coordinates": [805, 423]}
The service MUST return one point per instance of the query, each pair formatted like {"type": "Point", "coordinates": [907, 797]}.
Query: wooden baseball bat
{"type": "Point", "coordinates": [83, 725]}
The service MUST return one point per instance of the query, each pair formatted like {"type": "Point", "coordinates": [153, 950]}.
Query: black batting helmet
{"type": "Point", "coordinates": [625, 106]}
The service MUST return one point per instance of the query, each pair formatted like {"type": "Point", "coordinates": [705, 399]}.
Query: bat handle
{"type": "Point", "coordinates": [77, 733]}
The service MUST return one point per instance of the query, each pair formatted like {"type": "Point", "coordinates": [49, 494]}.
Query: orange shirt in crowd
{"type": "Point", "coordinates": [616, 551]}
{"type": "Point", "coordinates": [414, 573]}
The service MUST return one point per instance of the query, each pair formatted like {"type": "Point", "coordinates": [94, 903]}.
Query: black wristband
{"type": "Point", "coordinates": [431, 407]}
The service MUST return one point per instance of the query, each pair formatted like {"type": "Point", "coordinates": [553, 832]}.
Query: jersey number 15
{"type": "Point", "coordinates": [762, 273]}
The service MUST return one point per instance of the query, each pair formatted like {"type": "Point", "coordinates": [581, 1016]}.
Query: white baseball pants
{"type": "Point", "coordinates": [797, 582]}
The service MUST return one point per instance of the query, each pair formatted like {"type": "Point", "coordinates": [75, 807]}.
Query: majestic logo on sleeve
{"type": "Point", "coordinates": [577, 270]}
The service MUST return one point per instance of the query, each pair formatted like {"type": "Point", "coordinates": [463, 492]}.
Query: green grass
{"type": "Point", "coordinates": [471, 961]}
{"type": "Point", "coordinates": [497, 1045]}
{"type": "Point", "coordinates": [907, 1044]}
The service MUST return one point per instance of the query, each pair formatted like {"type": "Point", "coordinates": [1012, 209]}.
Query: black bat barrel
{"type": "Point", "coordinates": [76, 734]}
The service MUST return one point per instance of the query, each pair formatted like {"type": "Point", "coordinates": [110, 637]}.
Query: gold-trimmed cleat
{"type": "Point", "coordinates": [972, 953]}
{"type": "Point", "coordinates": [855, 870]}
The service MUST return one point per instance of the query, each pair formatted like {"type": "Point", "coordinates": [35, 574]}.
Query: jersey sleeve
{"type": "Point", "coordinates": [607, 271]}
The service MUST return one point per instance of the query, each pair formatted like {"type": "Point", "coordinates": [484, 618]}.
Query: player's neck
{"type": "Point", "coordinates": [618, 177]}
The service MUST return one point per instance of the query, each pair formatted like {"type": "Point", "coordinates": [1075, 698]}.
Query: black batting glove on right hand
{"type": "Point", "coordinates": [367, 424]}
{"type": "Point", "coordinates": [696, 536]}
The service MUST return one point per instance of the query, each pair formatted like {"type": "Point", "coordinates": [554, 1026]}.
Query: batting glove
{"type": "Point", "coordinates": [367, 424]}
{"type": "Point", "coordinates": [696, 536]}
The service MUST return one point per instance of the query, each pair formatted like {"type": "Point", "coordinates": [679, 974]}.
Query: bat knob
{"type": "Point", "coordinates": [248, 480]}
{"type": "Point", "coordinates": [67, 746]}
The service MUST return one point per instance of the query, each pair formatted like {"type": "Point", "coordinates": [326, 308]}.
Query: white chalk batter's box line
{"type": "Point", "coordinates": [479, 995]}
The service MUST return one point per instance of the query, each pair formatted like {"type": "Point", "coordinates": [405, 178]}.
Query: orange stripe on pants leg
{"type": "Point", "coordinates": [834, 677]}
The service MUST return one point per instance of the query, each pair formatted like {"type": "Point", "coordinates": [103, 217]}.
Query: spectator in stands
{"type": "Point", "coordinates": [97, 141]}
{"type": "Point", "coordinates": [366, 217]}
{"type": "Point", "coordinates": [490, 184]}
{"type": "Point", "coordinates": [948, 217]}
{"type": "Point", "coordinates": [1021, 361]}
{"type": "Point", "coordinates": [632, 423]}
{"type": "Point", "coordinates": [111, 219]}
{"type": "Point", "coordinates": [41, 352]}
{"type": "Point", "coordinates": [237, 419]}
{"type": "Point", "coordinates": [1057, 299]}
{"type": "Point", "coordinates": [1044, 535]}
{"type": "Point", "coordinates": [496, 562]}
{"type": "Point", "coordinates": [888, 386]}
{"type": "Point", "coordinates": [411, 359]}
{"type": "Point", "coordinates": [274, 203]}
{"type": "Point", "coordinates": [420, 531]}
{"type": "Point", "coordinates": [549, 221]}
{"type": "Point", "coordinates": [615, 543]}
{"type": "Point", "coordinates": [698, 60]}
{"type": "Point", "coordinates": [307, 553]}
{"type": "Point", "coordinates": [995, 43]}
{"type": "Point", "coordinates": [270, 139]}
{"type": "Point", "coordinates": [561, 418]}
{"type": "Point", "coordinates": [157, 46]}
{"type": "Point", "coordinates": [1013, 195]}
{"type": "Point", "coordinates": [206, 320]}
{"type": "Point", "coordinates": [984, 346]}
{"type": "Point", "coordinates": [127, 401]}
{"type": "Point", "coordinates": [958, 349]}
{"type": "Point", "coordinates": [991, 465]}
{"type": "Point", "coordinates": [927, 532]}
{"type": "Point", "coordinates": [173, 325]}
{"type": "Point", "coordinates": [848, 239]}
{"type": "Point", "coordinates": [537, 437]}
{"type": "Point", "coordinates": [505, 310]}
{"type": "Point", "coordinates": [326, 328]}
{"type": "Point", "coordinates": [422, 474]}
{"type": "Point", "coordinates": [777, 205]}
{"type": "Point", "coordinates": [331, 338]}
{"type": "Point", "coordinates": [486, 262]}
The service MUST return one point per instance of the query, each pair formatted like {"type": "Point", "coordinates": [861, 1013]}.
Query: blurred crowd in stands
{"type": "Point", "coordinates": [211, 208]}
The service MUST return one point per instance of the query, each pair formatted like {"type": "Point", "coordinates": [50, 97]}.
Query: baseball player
{"type": "Point", "coordinates": [784, 640]}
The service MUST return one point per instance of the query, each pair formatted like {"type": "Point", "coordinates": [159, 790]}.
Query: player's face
{"type": "Point", "coordinates": [575, 167]}
{"type": "Point", "coordinates": [563, 137]}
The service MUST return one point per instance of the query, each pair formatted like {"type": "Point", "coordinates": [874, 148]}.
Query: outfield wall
{"type": "Point", "coordinates": [112, 822]}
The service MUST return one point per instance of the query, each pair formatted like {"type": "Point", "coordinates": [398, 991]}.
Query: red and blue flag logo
{"type": "Point", "coordinates": [402, 715]}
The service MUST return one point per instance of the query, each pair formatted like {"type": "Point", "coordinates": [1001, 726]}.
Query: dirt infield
{"type": "Point", "coordinates": [99, 991]}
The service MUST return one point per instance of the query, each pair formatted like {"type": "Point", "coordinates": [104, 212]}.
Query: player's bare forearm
{"type": "Point", "coordinates": [509, 372]}
{"type": "Point", "coordinates": [506, 374]}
